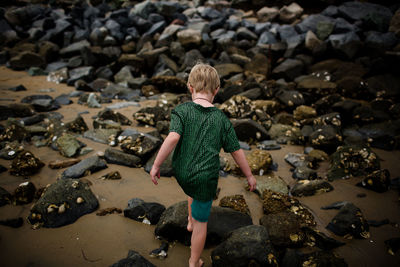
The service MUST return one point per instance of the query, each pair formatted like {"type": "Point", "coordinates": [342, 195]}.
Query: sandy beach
{"type": "Point", "coordinates": [103, 240]}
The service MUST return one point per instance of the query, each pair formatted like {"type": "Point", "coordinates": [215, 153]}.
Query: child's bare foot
{"type": "Point", "coordinates": [189, 225]}
{"type": "Point", "coordinates": [199, 263]}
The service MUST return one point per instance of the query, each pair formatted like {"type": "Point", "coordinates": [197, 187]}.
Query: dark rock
{"type": "Point", "coordinates": [345, 44]}
{"type": "Point", "coordinates": [146, 212]}
{"type": "Point", "coordinates": [374, 223]}
{"type": "Point", "coordinates": [133, 259]}
{"type": "Point", "coordinates": [311, 22]}
{"type": "Point", "coordinates": [235, 202]}
{"type": "Point", "coordinates": [118, 157]}
{"type": "Point", "coordinates": [335, 205]}
{"type": "Point", "coordinates": [59, 164]}
{"type": "Point", "coordinates": [169, 84]}
{"type": "Point", "coordinates": [14, 223]}
{"type": "Point", "coordinates": [16, 110]}
{"type": "Point", "coordinates": [5, 197]}
{"type": "Point", "coordinates": [25, 60]}
{"type": "Point", "coordinates": [25, 164]}
{"type": "Point", "coordinates": [310, 188]}
{"type": "Point", "coordinates": [166, 169]}
{"type": "Point", "coordinates": [268, 145]}
{"type": "Point", "coordinates": [381, 135]}
{"type": "Point", "coordinates": [326, 138]}
{"type": "Point", "coordinates": [378, 181]}
{"type": "Point", "coordinates": [288, 69]}
{"type": "Point", "coordinates": [85, 167]}
{"type": "Point", "coordinates": [271, 182]}
{"type": "Point", "coordinates": [284, 229]}
{"type": "Point", "coordinates": [392, 245]}
{"type": "Point", "coordinates": [120, 92]}
{"type": "Point", "coordinates": [41, 103]}
{"type": "Point", "coordinates": [114, 175]}
{"type": "Point", "coordinates": [349, 220]}
{"type": "Point", "coordinates": [24, 193]}
{"type": "Point", "coordinates": [18, 88]}
{"type": "Point", "coordinates": [63, 203]}
{"type": "Point", "coordinates": [290, 98]}
{"type": "Point", "coordinates": [14, 132]}
{"type": "Point", "coordinates": [108, 114]}
{"type": "Point", "coordinates": [319, 258]}
{"type": "Point", "coordinates": [248, 130]}
{"type": "Point", "coordinates": [84, 73]}
{"type": "Point", "coordinates": [286, 134]}
{"type": "Point", "coordinates": [78, 125]}
{"type": "Point", "coordinates": [140, 144]}
{"type": "Point", "coordinates": [107, 124]}
{"type": "Point", "coordinates": [316, 87]}
{"type": "Point", "coordinates": [245, 246]}
{"type": "Point", "coordinates": [304, 173]}
{"type": "Point", "coordinates": [299, 160]}
{"type": "Point", "coordinates": [104, 136]}
{"type": "Point", "coordinates": [74, 49]}
{"type": "Point", "coordinates": [320, 240]}
{"type": "Point", "coordinates": [151, 115]}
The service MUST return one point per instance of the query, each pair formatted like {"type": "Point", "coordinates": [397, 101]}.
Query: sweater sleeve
{"type": "Point", "coordinates": [176, 124]}
{"type": "Point", "coordinates": [230, 142]}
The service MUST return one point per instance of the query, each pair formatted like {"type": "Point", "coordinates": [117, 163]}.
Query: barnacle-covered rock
{"type": "Point", "coordinates": [271, 107]}
{"type": "Point", "coordinates": [24, 193]}
{"type": "Point", "coordinates": [140, 144]}
{"type": "Point", "coordinates": [309, 188]}
{"type": "Point", "coordinates": [77, 126]}
{"type": "Point", "coordinates": [349, 221]}
{"type": "Point", "coordinates": [350, 161]}
{"type": "Point", "coordinates": [274, 202]}
{"type": "Point", "coordinates": [14, 132]}
{"type": "Point", "coordinates": [333, 119]}
{"type": "Point", "coordinates": [114, 175]}
{"type": "Point", "coordinates": [106, 124]}
{"type": "Point", "coordinates": [151, 115]}
{"type": "Point", "coordinates": [259, 161]}
{"type": "Point", "coordinates": [378, 181]}
{"type": "Point", "coordinates": [236, 202]}
{"type": "Point", "coordinates": [248, 130]}
{"type": "Point", "coordinates": [108, 114]}
{"type": "Point", "coordinates": [238, 107]}
{"type": "Point", "coordinates": [25, 164]}
{"type": "Point", "coordinates": [11, 150]}
{"type": "Point", "coordinates": [304, 112]}
{"type": "Point", "coordinates": [326, 138]}
{"type": "Point", "coordinates": [286, 134]}
{"type": "Point", "coordinates": [169, 84]}
{"type": "Point", "coordinates": [68, 145]}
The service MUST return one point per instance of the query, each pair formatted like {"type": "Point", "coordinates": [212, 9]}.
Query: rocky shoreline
{"type": "Point", "coordinates": [327, 82]}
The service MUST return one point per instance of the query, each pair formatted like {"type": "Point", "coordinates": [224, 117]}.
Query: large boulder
{"type": "Point", "coordinates": [63, 203]}
{"type": "Point", "coordinates": [84, 167]}
{"type": "Point", "coordinates": [245, 246]}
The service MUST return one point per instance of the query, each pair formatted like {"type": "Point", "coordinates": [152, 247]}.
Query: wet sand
{"type": "Point", "coordinates": [103, 240]}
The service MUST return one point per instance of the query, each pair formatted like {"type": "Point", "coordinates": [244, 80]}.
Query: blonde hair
{"type": "Point", "coordinates": [203, 77]}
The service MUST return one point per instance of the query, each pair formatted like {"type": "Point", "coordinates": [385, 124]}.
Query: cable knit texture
{"type": "Point", "coordinates": [204, 131]}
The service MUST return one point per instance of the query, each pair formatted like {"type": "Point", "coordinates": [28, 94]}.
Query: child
{"type": "Point", "coordinates": [199, 130]}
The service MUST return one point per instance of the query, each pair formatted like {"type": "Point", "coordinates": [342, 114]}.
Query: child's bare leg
{"type": "Point", "coordinates": [199, 235]}
{"type": "Point", "coordinates": [190, 220]}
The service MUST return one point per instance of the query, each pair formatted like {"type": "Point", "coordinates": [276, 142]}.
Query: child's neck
{"type": "Point", "coordinates": [203, 99]}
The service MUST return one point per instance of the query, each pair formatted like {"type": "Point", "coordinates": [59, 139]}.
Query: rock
{"type": "Point", "coordinates": [68, 145]}
{"type": "Point", "coordinates": [133, 258]}
{"type": "Point", "coordinates": [310, 23]}
{"type": "Point", "coordinates": [304, 112]}
{"type": "Point", "coordinates": [312, 42]}
{"type": "Point", "coordinates": [5, 197]}
{"type": "Point", "coordinates": [326, 138]}
{"type": "Point", "coordinates": [286, 134]}
{"type": "Point", "coordinates": [290, 98]}
{"type": "Point", "coordinates": [14, 131]}
{"type": "Point", "coordinates": [189, 37]}
{"type": "Point", "coordinates": [299, 160]}
{"type": "Point", "coordinates": [58, 76]}
{"type": "Point", "coordinates": [74, 49]}
{"type": "Point", "coordinates": [11, 150]}
{"type": "Point", "coordinates": [361, 11]}
{"type": "Point", "coordinates": [173, 222]}
{"type": "Point", "coordinates": [80, 73]}
{"type": "Point", "coordinates": [345, 44]}
{"type": "Point", "coordinates": [325, 28]}
{"type": "Point", "coordinates": [268, 145]}
{"type": "Point", "coordinates": [146, 212]}
{"type": "Point", "coordinates": [118, 157]}
{"type": "Point", "coordinates": [235, 202]}
{"type": "Point", "coordinates": [78, 125]}
{"type": "Point", "coordinates": [14, 223]}
{"type": "Point", "coordinates": [318, 239]}
{"type": "Point", "coordinates": [85, 167]}
{"type": "Point", "coordinates": [267, 13]}
{"type": "Point", "coordinates": [284, 229]}
{"type": "Point", "coordinates": [349, 221]}
{"type": "Point", "coordinates": [316, 87]}
{"type": "Point", "coordinates": [104, 136]}
{"type": "Point", "coordinates": [245, 246]}
{"type": "Point", "coordinates": [238, 106]}
{"type": "Point", "coordinates": [59, 164]}
{"type": "Point", "coordinates": [62, 203]}
{"type": "Point", "coordinates": [259, 64]}
{"type": "Point", "coordinates": [381, 135]}
{"type": "Point", "coordinates": [378, 181]}
{"type": "Point", "coordinates": [259, 161]}
{"type": "Point", "coordinates": [16, 110]}
{"type": "Point", "coordinates": [18, 88]}
{"type": "Point", "coordinates": [227, 70]}
{"type": "Point", "coordinates": [92, 101]}
{"type": "Point", "coordinates": [41, 103]}
{"type": "Point", "coordinates": [24, 193]}
{"type": "Point", "coordinates": [249, 131]}
{"type": "Point", "coordinates": [151, 115]}
{"type": "Point", "coordinates": [296, 258]}
{"type": "Point", "coordinates": [310, 188]}
{"type": "Point", "coordinates": [350, 161]}
{"type": "Point", "coordinates": [319, 155]}
{"type": "Point", "coordinates": [392, 245]}
{"type": "Point", "coordinates": [25, 164]}
{"type": "Point", "coordinates": [109, 114]}
{"type": "Point", "coordinates": [288, 14]}
{"type": "Point", "coordinates": [107, 124]}
{"type": "Point", "coordinates": [140, 144]}
{"type": "Point", "coordinates": [166, 169]}
{"type": "Point", "coordinates": [114, 175]}
{"type": "Point", "coordinates": [304, 173]}
{"type": "Point", "coordinates": [288, 69]}
{"type": "Point", "coordinates": [25, 60]}
{"type": "Point", "coordinates": [395, 24]}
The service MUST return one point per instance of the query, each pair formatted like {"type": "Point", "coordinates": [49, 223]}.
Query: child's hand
{"type": "Point", "coordinates": [155, 172]}
{"type": "Point", "coordinates": [252, 182]}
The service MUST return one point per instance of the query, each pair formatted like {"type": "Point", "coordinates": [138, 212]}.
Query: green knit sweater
{"type": "Point", "coordinates": [204, 131]}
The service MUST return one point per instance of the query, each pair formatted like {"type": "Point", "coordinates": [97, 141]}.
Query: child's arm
{"type": "Point", "coordinates": [166, 148]}
{"type": "Point", "coordinates": [241, 160]}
